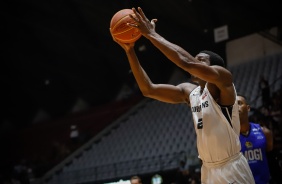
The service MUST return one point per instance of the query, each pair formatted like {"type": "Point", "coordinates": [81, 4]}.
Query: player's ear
{"type": "Point", "coordinates": [249, 108]}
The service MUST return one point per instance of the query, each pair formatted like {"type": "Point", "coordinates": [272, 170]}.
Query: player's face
{"type": "Point", "coordinates": [243, 106]}
{"type": "Point", "coordinates": [201, 58]}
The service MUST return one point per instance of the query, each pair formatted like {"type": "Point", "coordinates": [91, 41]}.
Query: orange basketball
{"type": "Point", "coordinates": [119, 28]}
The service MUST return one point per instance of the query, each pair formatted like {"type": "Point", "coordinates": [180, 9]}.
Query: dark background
{"type": "Point", "coordinates": [55, 52]}
{"type": "Point", "coordinates": [60, 66]}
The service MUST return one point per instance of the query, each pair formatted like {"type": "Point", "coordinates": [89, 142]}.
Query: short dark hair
{"type": "Point", "coordinates": [244, 96]}
{"type": "Point", "coordinates": [215, 59]}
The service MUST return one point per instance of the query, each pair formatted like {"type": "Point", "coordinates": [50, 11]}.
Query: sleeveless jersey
{"type": "Point", "coordinates": [254, 149]}
{"type": "Point", "coordinates": [217, 128]}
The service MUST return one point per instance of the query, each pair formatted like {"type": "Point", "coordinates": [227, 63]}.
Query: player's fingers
{"type": "Point", "coordinates": [153, 21]}
{"type": "Point", "coordinates": [142, 14]}
{"type": "Point", "coordinates": [138, 16]}
{"type": "Point", "coordinates": [134, 18]}
{"type": "Point", "coordinates": [132, 25]}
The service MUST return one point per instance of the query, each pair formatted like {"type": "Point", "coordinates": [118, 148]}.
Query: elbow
{"type": "Point", "coordinates": [147, 91]}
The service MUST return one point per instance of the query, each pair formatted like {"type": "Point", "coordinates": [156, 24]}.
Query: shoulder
{"type": "Point", "coordinates": [264, 129]}
{"type": "Point", "coordinates": [257, 126]}
{"type": "Point", "coordinates": [221, 70]}
{"type": "Point", "coordinates": [252, 124]}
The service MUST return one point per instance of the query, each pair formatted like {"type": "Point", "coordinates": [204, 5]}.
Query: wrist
{"type": "Point", "coordinates": [129, 49]}
{"type": "Point", "coordinates": [152, 36]}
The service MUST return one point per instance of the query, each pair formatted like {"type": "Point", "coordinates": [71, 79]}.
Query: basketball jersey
{"type": "Point", "coordinates": [217, 128]}
{"type": "Point", "coordinates": [254, 149]}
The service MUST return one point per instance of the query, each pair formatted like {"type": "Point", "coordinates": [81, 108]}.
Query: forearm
{"type": "Point", "coordinates": [139, 73]}
{"type": "Point", "coordinates": [173, 52]}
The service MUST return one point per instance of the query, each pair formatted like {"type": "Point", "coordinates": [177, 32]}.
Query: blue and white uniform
{"type": "Point", "coordinates": [254, 149]}
{"type": "Point", "coordinates": [218, 143]}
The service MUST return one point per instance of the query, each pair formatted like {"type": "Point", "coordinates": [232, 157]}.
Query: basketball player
{"type": "Point", "coordinates": [135, 180]}
{"type": "Point", "coordinates": [213, 104]}
{"type": "Point", "coordinates": [256, 140]}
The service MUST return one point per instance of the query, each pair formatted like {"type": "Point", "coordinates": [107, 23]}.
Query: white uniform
{"type": "Point", "coordinates": [218, 143]}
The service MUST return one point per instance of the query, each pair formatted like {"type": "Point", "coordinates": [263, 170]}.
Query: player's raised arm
{"type": "Point", "coordinates": [173, 52]}
{"type": "Point", "coordinates": [198, 66]}
{"type": "Point", "coordinates": [162, 92]}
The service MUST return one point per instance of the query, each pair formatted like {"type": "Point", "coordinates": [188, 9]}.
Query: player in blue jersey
{"type": "Point", "coordinates": [255, 140]}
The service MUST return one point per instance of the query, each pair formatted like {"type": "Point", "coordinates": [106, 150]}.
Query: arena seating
{"type": "Point", "coordinates": [152, 135]}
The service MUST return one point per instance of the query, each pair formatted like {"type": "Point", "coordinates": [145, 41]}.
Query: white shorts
{"type": "Point", "coordinates": [234, 171]}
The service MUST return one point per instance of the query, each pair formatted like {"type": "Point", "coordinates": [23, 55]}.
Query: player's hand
{"type": "Point", "coordinates": [125, 46]}
{"type": "Point", "coordinates": [145, 26]}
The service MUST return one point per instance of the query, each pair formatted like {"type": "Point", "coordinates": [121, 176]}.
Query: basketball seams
{"type": "Point", "coordinates": [127, 39]}
{"type": "Point", "coordinates": [119, 21]}
{"type": "Point", "coordinates": [123, 31]}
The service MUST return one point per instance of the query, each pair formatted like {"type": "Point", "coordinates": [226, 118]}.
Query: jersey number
{"type": "Point", "coordinates": [200, 124]}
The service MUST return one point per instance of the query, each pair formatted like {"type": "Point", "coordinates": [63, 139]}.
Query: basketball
{"type": "Point", "coordinates": [119, 28]}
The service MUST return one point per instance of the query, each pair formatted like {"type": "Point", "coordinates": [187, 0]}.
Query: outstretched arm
{"type": "Point", "coordinates": [162, 92]}
{"type": "Point", "coordinates": [175, 53]}
{"type": "Point", "coordinates": [216, 75]}
{"type": "Point", "coordinates": [172, 51]}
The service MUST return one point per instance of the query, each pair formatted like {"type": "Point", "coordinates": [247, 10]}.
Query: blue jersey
{"type": "Point", "coordinates": [254, 149]}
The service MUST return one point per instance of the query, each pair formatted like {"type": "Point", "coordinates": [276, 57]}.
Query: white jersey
{"type": "Point", "coordinates": [217, 128]}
